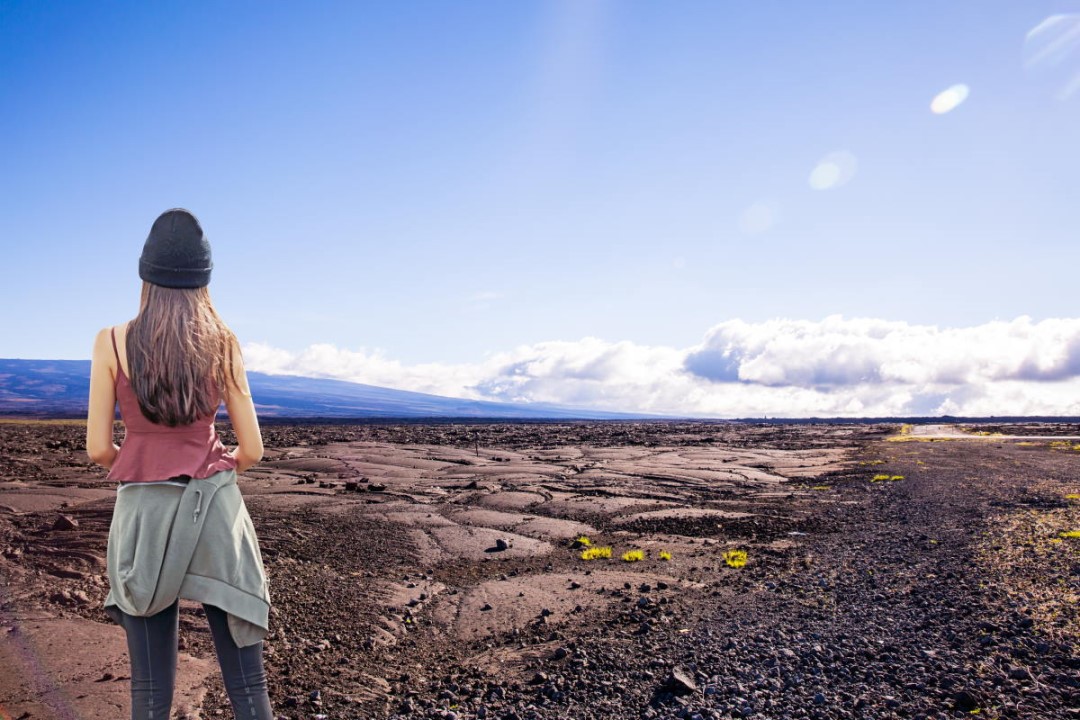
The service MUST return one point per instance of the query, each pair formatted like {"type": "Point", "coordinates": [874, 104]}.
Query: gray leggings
{"type": "Point", "coordinates": [152, 646]}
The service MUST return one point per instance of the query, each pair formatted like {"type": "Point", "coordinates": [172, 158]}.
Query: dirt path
{"type": "Point", "coordinates": [899, 607]}
{"type": "Point", "coordinates": [955, 432]}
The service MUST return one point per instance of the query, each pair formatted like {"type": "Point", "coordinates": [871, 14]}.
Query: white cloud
{"type": "Point", "coordinates": [362, 366]}
{"type": "Point", "coordinates": [790, 368]}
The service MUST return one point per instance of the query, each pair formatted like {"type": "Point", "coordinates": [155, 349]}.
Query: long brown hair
{"type": "Point", "coordinates": [180, 353]}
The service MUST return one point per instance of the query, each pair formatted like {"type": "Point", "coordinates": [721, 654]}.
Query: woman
{"type": "Point", "coordinates": [180, 527]}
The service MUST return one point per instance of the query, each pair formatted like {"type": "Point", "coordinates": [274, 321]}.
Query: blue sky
{"type": "Point", "coordinates": [434, 184]}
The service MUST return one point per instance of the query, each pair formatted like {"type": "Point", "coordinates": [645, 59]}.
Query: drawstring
{"type": "Point", "coordinates": [198, 507]}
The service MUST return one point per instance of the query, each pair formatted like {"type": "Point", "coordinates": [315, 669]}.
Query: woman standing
{"type": "Point", "coordinates": [180, 528]}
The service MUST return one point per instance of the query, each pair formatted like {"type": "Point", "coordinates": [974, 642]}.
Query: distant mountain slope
{"type": "Point", "coordinates": [61, 387]}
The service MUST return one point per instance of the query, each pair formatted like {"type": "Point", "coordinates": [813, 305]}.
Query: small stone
{"type": "Point", "coordinates": [501, 544]}
{"type": "Point", "coordinates": [681, 682]}
{"type": "Point", "coordinates": [487, 606]}
{"type": "Point", "coordinates": [964, 701]}
{"type": "Point", "coordinates": [1019, 673]}
{"type": "Point", "coordinates": [65, 522]}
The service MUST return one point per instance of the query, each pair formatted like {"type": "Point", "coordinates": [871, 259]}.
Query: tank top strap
{"type": "Point", "coordinates": [112, 332]}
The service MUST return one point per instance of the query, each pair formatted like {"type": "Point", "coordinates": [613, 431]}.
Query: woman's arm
{"type": "Point", "coordinates": [241, 408]}
{"type": "Point", "coordinates": [101, 411]}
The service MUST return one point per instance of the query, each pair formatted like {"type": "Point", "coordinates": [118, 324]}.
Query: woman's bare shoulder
{"type": "Point", "coordinates": [103, 342]}
{"type": "Point", "coordinates": [119, 329]}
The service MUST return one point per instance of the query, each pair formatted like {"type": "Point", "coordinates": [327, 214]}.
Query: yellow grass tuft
{"type": "Point", "coordinates": [822, 487]}
{"type": "Point", "coordinates": [595, 553]}
{"type": "Point", "coordinates": [665, 555]}
{"type": "Point", "coordinates": [1071, 534]}
{"type": "Point", "coordinates": [633, 555]}
{"type": "Point", "coordinates": [735, 558]}
{"type": "Point", "coordinates": [584, 541]}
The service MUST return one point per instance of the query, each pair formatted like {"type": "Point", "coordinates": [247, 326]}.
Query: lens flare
{"type": "Point", "coordinates": [949, 99]}
{"type": "Point", "coordinates": [759, 217]}
{"type": "Point", "coordinates": [1052, 52]}
{"type": "Point", "coordinates": [833, 170]}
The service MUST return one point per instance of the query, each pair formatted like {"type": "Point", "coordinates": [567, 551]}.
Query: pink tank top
{"type": "Point", "coordinates": [151, 451]}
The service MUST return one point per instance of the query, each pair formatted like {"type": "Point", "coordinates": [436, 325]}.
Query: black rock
{"type": "Point", "coordinates": [1019, 673]}
{"type": "Point", "coordinates": [65, 522]}
{"type": "Point", "coordinates": [681, 682]}
{"type": "Point", "coordinates": [964, 701]}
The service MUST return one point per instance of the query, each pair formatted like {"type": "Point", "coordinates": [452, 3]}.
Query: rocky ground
{"type": "Point", "coordinates": [430, 571]}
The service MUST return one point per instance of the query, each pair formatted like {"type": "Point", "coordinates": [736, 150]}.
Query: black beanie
{"type": "Point", "coordinates": [176, 253]}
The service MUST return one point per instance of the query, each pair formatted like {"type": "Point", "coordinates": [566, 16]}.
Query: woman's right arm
{"type": "Point", "coordinates": [101, 411]}
{"type": "Point", "coordinates": [241, 408]}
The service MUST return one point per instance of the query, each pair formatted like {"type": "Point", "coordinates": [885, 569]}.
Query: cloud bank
{"type": "Point", "coordinates": [836, 367]}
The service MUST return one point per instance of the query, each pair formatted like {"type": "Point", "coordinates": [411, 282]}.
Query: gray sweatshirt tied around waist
{"type": "Point", "coordinates": [194, 541]}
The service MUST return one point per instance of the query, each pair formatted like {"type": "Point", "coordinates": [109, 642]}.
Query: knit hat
{"type": "Point", "coordinates": [176, 253]}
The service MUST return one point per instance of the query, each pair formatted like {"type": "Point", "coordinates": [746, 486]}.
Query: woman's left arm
{"type": "Point", "coordinates": [102, 408]}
